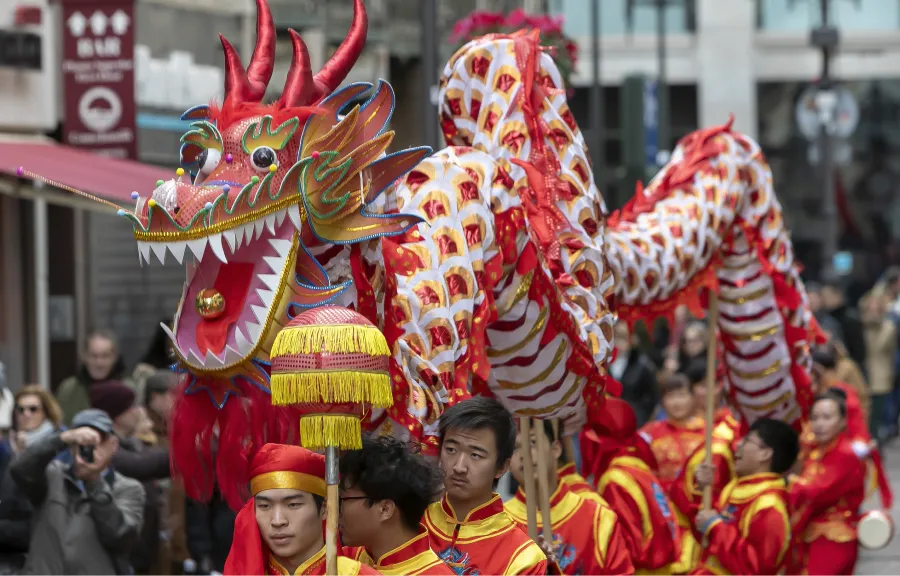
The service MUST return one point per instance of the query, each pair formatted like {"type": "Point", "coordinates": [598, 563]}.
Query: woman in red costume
{"type": "Point", "coordinates": [827, 495]}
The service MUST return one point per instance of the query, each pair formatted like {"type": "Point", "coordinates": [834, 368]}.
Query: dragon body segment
{"type": "Point", "coordinates": [710, 218]}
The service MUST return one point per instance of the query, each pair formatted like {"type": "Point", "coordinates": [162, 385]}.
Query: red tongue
{"type": "Point", "coordinates": [233, 282]}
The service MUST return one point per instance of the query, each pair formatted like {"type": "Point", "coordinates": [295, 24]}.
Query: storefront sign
{"type": "Point", "coordinates": [98, 76]}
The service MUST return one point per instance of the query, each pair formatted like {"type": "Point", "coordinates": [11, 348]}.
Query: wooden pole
{"type": "Point", "coordinates": [530, 492]}
{"type": "Point", "coordinates": [544, 468]}
{"type": "Point", "coordinates": [331, 503]}
{"type": "Point", "coordinates": [712, 316]}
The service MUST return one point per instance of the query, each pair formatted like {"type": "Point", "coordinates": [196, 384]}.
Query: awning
{"type": "Point", "coordinates": [108, 178]}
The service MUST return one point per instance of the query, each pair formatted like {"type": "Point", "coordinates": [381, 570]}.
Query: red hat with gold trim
{"type": "Point", "coordinates": [275, 466]}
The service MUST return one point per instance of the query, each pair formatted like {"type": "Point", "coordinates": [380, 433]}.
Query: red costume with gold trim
{"type": "Point", "coordinates": [672, 443]}
{"type": "Point", "coordinates": [752, 534]}
{"type": "Point", "coordinates": [825, 501]}
{"type": "Point", "coordinates": [587, 537]}
{"type": "Point", "coordinates": [685, 493]}
{"type": "Point", "coordinates": [486, 541]}
{"type": "Point", "coordinates": [619, 459]}
{"type": "Point", "coordinates": [278, 466]}
{"type": "Point", "coordinates": [413, 558]}
{"type": "Point", "coordinates": [575, 481]}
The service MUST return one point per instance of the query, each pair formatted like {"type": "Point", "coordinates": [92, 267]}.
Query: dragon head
{"type": "Point", "coordinates": [266, 183]}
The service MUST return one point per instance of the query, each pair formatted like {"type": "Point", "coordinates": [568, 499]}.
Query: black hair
{"type": "Point", "coordinates": [695, 371]}
{"type": "Point", "coordinates": [781, 439]}
{"type": "Point", "coordinates": [388, 469]}
{"type": "Point", "coordinates": [319, 501]}
{"type": "Point", "coordinates": [159, 352]}
{"type": "Point", "coordinates": [825, 355]}
{"type": "Point", "coordinates": [160, 382]}
{"type": "Point", "coordinates": [672, 382]}
{"type": "Point", "coordinates": [480, 413]}
{"type": "Point", "coordinates": [837, 395]}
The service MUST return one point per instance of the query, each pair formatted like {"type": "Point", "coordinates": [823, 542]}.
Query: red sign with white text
{"type": "Point", "coordinates": [98, 76]}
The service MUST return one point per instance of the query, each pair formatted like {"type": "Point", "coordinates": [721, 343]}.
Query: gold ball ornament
{"type": "Point", "coordinates": [210, 303]}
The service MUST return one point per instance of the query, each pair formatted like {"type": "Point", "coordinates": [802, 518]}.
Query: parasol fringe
{"type": "Point", "coordinates": [318, 431]}
{"type": "Point", "coordinates": [335, 387]}
{"type": "Point", "coordinates": [346, 339]}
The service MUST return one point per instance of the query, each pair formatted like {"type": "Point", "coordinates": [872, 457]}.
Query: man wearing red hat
{"type": "Point", "coordinates": [279, 530]}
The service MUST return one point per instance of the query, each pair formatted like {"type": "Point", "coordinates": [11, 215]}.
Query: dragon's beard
{"type": "Point", "coordinates": [254, 277]}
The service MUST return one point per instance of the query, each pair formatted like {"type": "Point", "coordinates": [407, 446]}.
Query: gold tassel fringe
{"type": "Point", "coordinates": [319, 431]}
{"type": "Point", "coordinates": [339, 339]}
{"type": "Point", "coordinates": [336, 387]}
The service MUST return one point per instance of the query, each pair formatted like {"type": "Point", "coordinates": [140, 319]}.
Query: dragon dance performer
{"type": "Point", "coordinates": [749, 531]}
{"type": "Point", "coordinates": [385, 489]}
{"type": "Point", "coordinates": [622, 467]}
{"type": "Point", "coordinates": [587, 535]}
{"type": "Point", "coordinates": [279, 530]}
{"type": "Point", "coordinates": [674, 439]}
{"type": "Point", "coordinates": [826, 497]}
{"type": "Point", "coordinates": [468, 527]}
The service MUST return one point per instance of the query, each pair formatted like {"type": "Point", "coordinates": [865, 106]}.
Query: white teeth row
{"type": "Point", "coordinates": [234, 238]}
{"type": "Point", "coordinates": [244, 339]}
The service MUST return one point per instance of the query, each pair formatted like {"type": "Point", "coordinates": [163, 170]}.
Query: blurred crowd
{"type": "Point", "coordinates": [99, 449]}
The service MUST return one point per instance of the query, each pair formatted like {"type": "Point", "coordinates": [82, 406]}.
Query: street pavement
{"type": "Point", "coordinates": [886, 560]}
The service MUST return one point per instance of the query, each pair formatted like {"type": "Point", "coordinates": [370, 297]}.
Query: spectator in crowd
{"type": "Point", "coordinates": [100, 362]}
{"type": "Point", "coordinates": [35, 416]}
{"type": "Point", "coordinates": [824, 319]}
{"type": "Point", "coordinates": [692, 345]}
{"type": "Point", "coordinates": [849, 372]}
{"type": "Point", "coordinates": [891, 282]}
{"type": "Point", "coordinates": [881, 347]}
{"type": "Point", "coordinates": [87, 515]}
{"type": "Point", "coordinates": [159, 357]}
{"type": "Point", "coordinates": [835, 303]}
{"type": "Point", "coordinates": [158, 400]}
{"type": "Point", "coordinates": [210, 527]}
{"type": "Point", "coordinates": [136, 460]}
{"type": "Point", "coordinates": [636, 373]}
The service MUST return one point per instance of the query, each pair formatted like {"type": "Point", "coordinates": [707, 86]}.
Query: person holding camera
{"type": "Point", "coordinates": [87, 516]}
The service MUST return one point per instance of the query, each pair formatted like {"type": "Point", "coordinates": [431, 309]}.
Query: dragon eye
{"type": "Point", "coordinates": [262, 158]}
{"type": "Point", "coordinates": [208, 160]}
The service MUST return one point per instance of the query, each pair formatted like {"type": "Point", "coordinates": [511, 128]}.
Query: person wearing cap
{"type": "Point", "coordinates": [135, 459]}
{"type": "Point", "coordinates": [279, 530]}
{"type": "Point", "coordinates": [87, 516]}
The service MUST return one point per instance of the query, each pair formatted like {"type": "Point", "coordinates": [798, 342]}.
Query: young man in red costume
{"type": "Point", "coordinates": [621, 464]}
{"type": "Point", "coordinates": [279, 530]}
{"type": "Point", "coordinates": [675, 438]}
{"type": "Point", "coordinates": [468, 527]}
{"type": "Point", "coordinates": [587, 537]}
{"type": "Point", "coordinates": [749, 529]}
{"type": "Point", "coordinates": [385, 489]}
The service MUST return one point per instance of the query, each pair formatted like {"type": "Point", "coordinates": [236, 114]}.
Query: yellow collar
{"type": "Point", "coordinates": [301, 569]}
{"type": "Point", "coordinates": [741, 490]}
{"type": "Point", "coordinates": [563, 504]}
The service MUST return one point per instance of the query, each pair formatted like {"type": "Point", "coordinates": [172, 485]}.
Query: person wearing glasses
{"type": "Point", "coordinates": [748, 529]}
{"type": "Point", "coordinates": [385, 489]}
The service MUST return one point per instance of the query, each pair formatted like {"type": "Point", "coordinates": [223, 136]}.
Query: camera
{"type": "Point", "coordinates": [86, 453]}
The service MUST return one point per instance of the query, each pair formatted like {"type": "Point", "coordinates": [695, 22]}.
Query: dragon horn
{"type": "Point", "coordinates": [259, 72]}
{"type": "Point", "coordinates": [338, 66]}
{"type": "Point", "coordinates": [299, 88]}
{"type": "Point", "coordinates": [237, 87]}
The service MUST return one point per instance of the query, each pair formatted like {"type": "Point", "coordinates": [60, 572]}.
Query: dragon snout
{"type": "Point", "coordinates": [166, 195]}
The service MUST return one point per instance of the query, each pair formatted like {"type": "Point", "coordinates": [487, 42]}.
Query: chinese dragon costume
{"type": "Point", "coordinates": [490, 265]}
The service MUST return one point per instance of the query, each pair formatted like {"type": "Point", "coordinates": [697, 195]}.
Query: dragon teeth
{"type": "Point", "coordinates": [270, 280]}
{"type": "Point", "coordinates": [215, 242]}
{"type": "Point", "coordinates": [144, 252]}
{"type": "Point", "coordinates": [160, 250]}
{"type": "Point", "coordinates": [275, 263]}
{"type": "Point", "coordinates": [197, 247]}
{"type": "Point", "coordinates": [253, 330]}
{"type": "Point", "coordinates": [231, 238]}
{"type": "Point", "coordinates": [293, 212]}
{"type": "Point", "coordinates": [267, 296]}
{"type": "Point", "coordinates": [177, 249]}
{"type": "Point", "coordinates": [244, 345]}
{"type": "Point", "coordinates": [283, 247]}
{"type": "Point", "coordinates": [270, 223]}
{"type": "Point", "coordinates": [279, 217]}
{"type": "Point", "coordinates": [260, 312]}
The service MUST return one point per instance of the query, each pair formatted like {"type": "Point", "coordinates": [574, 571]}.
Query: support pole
{"type": "Point", "coordinates": [331, 519]}
{"type": "Point", "coordinates": [530, 491]}
{"type": "Point", "coordinates": [712, 315]}
{"type": "Point", "coordinates": [662, 133]}
{"type": "Point", "coordinates": [42, 292]}
{"type": "Point", "coordinates": [827, 105]}
{"type": "Point", "coordinates": [598, 143]}
{"type": "Point", "coordinates": [429, 10]}
{"type": "Point", "coordinates": [543, 482]}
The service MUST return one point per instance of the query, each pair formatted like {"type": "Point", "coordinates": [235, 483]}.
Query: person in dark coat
{"type": "Point", "coordinates": [637, 374]}
{"type": "Point", "coordinates": [852, 331]}
{"type": "Point", "coordinates": [209, 527]}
